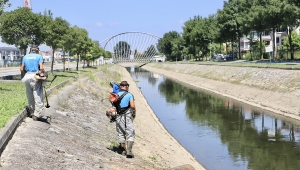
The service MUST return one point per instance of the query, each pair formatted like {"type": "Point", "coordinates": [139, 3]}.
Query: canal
{"type": "Point", "coordinates": [219, 132]}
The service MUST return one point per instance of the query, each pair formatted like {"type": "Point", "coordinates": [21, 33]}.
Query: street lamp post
{"type": "Point", "coordinates": [209, 48]}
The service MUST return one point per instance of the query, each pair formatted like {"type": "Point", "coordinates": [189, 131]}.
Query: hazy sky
{"type": "Point", "coordinates": [103, 19]}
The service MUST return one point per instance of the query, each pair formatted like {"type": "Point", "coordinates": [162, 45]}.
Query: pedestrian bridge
{"type": "Point", "coordinates": [132, 47]}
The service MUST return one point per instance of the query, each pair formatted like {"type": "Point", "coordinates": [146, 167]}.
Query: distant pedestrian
{"type": "Point", "coordinates": [124, 120]}
{"type": "Point", "coordinates": [32, 63]}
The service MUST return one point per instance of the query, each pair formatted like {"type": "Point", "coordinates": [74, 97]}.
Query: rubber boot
{"type": "Point", "coordinates": [129, 149]}
{"type": "Point", "coordinates": [123, 148]}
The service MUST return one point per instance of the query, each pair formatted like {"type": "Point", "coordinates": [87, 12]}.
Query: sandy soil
{"type": "Point", "coordinates": [78, 135]}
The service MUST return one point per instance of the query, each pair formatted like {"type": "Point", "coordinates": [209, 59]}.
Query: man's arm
{"type": "Point", "coordinates": [132, 105]}
{"type": "Point", "coordinates": [22, 68]}
{"type": "Point", "coordinates": [41, 67]}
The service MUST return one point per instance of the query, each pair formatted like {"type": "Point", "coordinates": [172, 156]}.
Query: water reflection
{"type": "Point", "coordinates": [221, 133]}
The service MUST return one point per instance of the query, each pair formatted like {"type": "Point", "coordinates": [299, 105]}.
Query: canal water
{"type": "Point", "coordinates": [219, 132]}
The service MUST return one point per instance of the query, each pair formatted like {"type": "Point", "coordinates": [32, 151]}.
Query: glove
{"type": "Point", "coordinates": [133, 113]}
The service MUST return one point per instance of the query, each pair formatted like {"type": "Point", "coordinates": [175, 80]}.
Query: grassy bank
{"type": "Point", "coordinates": [13, 96]}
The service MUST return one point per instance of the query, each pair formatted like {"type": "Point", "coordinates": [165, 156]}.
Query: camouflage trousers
{"type": "Point", "coordinates": [125, 128]}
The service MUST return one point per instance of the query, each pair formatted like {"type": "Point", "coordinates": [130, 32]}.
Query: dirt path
{"type": "Point", "coordinates": [80, 136]}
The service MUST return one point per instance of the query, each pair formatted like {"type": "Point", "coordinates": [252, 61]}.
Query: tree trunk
{"type": "Point", "coordinates": [232, 47]}
{"type": "Point", "coordinates": [260, 44]}
{"type": "Point", "coordinates": [64, 63]}
{"type": "Point", "coordinates": [77, 62]}
{"type": "Point", "coordinates": [274, 45]}
{"type": "Point", "coordinates": [291, 43]}
{"type": "Point", "coordinates": [239, 44]}
{"type": "Point", "coordinates": [52, 62]}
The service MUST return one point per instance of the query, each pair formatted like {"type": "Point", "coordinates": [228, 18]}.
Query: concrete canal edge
{"type": "Point", "coordinates": [7, 132]}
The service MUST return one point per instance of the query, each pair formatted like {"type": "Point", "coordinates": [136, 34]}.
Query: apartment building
{"type": "Point", "coordinates": [267, 36]}
{"type": "Point", "coordinates": [10, 53]}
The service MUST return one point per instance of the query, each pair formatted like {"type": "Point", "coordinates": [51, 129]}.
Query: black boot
{"type": "Point", "coordinates": [123, 148]}
{"type": "Point", "coordinates": [129, 149]}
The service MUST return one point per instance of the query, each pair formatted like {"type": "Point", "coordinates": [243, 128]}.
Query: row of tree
{"type": "Point", "coordinates": [202, 35]}
{"type": "Point", "coordinates": [123, 51]}
{"type": "Point", "coordinates": [22, 28]}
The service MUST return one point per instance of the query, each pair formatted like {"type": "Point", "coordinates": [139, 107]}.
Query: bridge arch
{"type": "Point", "coordinates": [132, 46]}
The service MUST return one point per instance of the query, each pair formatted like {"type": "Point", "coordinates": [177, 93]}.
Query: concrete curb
{"type": "Point", "coordinates": [7, 132]}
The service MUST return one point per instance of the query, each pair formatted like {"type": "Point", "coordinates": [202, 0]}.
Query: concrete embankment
{"type": "Point", "coordinates": [275, 90]}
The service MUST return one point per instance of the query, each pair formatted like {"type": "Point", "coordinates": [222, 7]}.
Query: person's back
{"type": "Point", "coordinates": [31, 64]}
{"type": "Point", "coordinates": [32, 61]}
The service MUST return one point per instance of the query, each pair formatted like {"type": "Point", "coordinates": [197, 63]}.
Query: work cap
{"type": "Point", "coordinates": [34, 47]}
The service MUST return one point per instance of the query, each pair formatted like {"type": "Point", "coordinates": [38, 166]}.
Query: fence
{"type": "Point", "coordinates": [9, 63]}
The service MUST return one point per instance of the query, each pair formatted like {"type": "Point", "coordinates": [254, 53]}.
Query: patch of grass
{"type": "Point", "coordinates": [12, 100]}
{"type": "Point", "coordinates": [13, 94]}
{"type": "Point", "coordinates": [112, 145]}
{"type": "Point", "coordinates": [153, 158]}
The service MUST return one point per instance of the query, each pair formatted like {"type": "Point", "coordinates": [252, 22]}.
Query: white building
{"type": "Point", "coordinates": [10, 53]}
{"type": "Point", "coordinates": [267, 37]}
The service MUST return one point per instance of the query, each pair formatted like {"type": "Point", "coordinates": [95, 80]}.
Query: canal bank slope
{"type": "Point", "coordinates": [275, 90]}
{"type": "Point", "coordinates": [80, 136]}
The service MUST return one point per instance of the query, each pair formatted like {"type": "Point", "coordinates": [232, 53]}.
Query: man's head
{"type": "Point", "coordinates": [34, 49]}
{"type": "Point", "coordinates": [124, 85]}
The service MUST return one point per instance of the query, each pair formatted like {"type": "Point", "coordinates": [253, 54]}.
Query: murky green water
{"type": "Point", "coordinates": [221, 133]}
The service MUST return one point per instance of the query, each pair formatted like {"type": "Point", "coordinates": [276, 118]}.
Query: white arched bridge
{"type": "Point", "coordinates": [132, 47]}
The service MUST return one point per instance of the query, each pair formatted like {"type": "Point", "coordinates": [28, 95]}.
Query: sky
{"type": "Point", "coordinates": [104, 19]}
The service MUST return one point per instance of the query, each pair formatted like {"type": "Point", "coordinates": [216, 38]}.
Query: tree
{"type": "Point", "coordinates": [3, 4]}
{"type": "Point", "coordinates": [151, 51]}
{"type": "Point", "coordinates": [122, 50]}
{"type": "Point", "coordinates": [76, 40]}
{"type": "Point", "coordinates": [86, 51]}
{"type": "Point", "coordinates": [21, 27]}
{"type": "Point", "coordinates": [256, 21]}
{"type": "Point", "coordinates": [274, 19]}
{"type": "Point", "coordinates": [96, 51]}
{"type": "Point", "coordinates": [54, 29]}
{"type": "Point", "coordinates": [165, 44]}
{"type": "Point", "coordinates": [290, 20]}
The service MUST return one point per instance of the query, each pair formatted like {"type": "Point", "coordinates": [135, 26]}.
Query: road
{"type": "Point", "coordinates": [11, 71]}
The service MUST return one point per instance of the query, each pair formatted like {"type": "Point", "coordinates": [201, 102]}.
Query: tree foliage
{"type": "Point", "coordinates": [54, 30]}
{"type": "Point", "coordinates": [122, 50]}
{"type": "Point", "coordinates": [76, 40]}
{"type": "Point", "coordinates": [21, 27]}
{"type": "Point", "coordinates": [165, 44]}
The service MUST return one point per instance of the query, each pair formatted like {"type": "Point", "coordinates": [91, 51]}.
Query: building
{"type": "Point", "coordinates": [267, 36]}
{"type": "Point", "coordinates": [11, 53]}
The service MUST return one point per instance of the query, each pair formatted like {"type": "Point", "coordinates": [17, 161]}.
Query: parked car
{"type": "Point", "coordinates": [229, 57]}
{"type": "Point", "coordinates": [218, 57]}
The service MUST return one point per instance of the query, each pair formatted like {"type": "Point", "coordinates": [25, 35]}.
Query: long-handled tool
{"type": "Point", "coordinates": [47, 103]}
